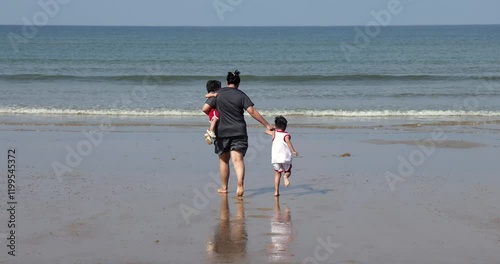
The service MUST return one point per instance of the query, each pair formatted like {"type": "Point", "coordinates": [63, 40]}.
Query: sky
{"type": "Point", "coordinates": [248, 12]}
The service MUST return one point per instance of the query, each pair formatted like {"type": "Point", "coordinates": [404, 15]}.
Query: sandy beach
{"type": "Point", "coordinates": [146, 194]}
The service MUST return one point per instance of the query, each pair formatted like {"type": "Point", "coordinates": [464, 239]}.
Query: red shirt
{"type": "Point", "coordinates": [213, 113]}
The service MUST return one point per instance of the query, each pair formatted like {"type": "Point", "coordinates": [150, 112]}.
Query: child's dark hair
{"type": "Point", "coordinates": [213, 86]}
{"type": "Point", "coordinates": [280, 122]}
{"type": "Point", "coordinates": [233, 78]}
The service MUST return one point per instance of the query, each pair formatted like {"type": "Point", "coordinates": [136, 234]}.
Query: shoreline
{"type": "Point", "coordinates": [312, 122]}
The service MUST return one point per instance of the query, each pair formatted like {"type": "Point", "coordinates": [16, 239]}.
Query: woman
{"type": "Point", "coordinates": [231, 129]}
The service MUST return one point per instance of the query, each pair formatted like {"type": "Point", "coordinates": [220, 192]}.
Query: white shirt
{"type": "Point", "coordinates": [281, 153]}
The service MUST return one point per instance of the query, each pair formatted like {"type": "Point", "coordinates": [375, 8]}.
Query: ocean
{"type": "Point", "coordinates": [429, 72]}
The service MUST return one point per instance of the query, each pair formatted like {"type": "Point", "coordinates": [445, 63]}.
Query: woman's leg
{"type": "Point", "coordinates": [239, 168]}
{"type": "Point", "coordinates": [224, 171]}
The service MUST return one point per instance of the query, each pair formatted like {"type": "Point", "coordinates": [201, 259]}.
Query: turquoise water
{"type": "Point", "coordinates": [429, 71]}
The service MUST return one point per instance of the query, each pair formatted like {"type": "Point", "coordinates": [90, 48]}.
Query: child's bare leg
{"type": "Point", "coordinates": [213, 123]}
{"type": "Point", "coordinates": [287, 175]}
{"type": "Point", "coordinates": [277, 177]}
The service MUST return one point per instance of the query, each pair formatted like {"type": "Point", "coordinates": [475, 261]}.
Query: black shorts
{"type": "Point", "coordinates": [223, 145]}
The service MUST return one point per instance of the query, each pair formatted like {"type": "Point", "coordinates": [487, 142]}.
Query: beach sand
{"type": "Point", "coordinates": [146, 194]}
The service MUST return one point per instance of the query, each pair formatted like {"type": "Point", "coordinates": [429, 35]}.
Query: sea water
{"type": "Point", "coordinates": [332, 72]}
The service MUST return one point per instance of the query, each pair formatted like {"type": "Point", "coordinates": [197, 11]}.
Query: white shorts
{"type": "Point", "coordinates": [282, 167]}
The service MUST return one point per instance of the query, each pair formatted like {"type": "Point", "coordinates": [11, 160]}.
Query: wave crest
{"type": "Point", "coordinates": [270, 112]}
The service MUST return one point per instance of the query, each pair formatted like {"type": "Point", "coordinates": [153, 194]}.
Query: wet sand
{"type": "Point", "coordinates": [458, 144]}
{"type": "Point", "coordinates": [147, 195]}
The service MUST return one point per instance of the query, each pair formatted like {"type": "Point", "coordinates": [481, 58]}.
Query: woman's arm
{"type": "Point", "coordinates": [270, 132]}
{"type": "Point", "coordinates": [256, 115]}
{"type": "Point", "coordinates": [206, 109]}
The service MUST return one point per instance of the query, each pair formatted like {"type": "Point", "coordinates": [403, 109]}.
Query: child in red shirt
{"type": "Point", "coordinates": [212, 87]}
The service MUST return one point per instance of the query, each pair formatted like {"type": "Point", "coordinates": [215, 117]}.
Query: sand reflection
{"type": "Point", "coordinates": [229, 243]}
{"type": "Point", "coordinates": [278, 249]}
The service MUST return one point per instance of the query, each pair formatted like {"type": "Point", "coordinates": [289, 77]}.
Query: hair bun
{"type": "Point", "coordinates": [233, 78]}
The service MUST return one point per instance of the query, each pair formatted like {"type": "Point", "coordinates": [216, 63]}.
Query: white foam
{"type": "Point", "coordinates": [97, 112]}
{"type": "Point", "coordinates": [381, 113]}
{"type": "Point", "coordinates": [180, 112]}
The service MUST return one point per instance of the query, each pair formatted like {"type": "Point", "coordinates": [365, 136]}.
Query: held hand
{"type": "Point", "coordinates": [270, 128]}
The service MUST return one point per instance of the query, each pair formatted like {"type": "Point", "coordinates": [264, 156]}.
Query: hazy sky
{"type": "Point", "coordinates": [247, 12]}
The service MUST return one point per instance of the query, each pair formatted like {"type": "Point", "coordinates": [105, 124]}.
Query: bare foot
{"type": "Point", "coordinates": [276, 194]}
{"type": "Point", "coordinates": [222, 190]}
{"type": "Point", "coordinates": [287, 182]}
{"type": "Point", "coordinates": [239, 191]}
